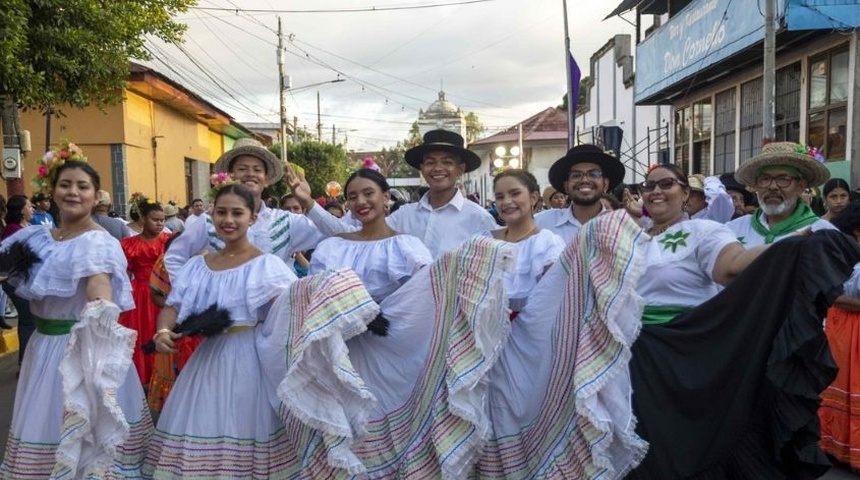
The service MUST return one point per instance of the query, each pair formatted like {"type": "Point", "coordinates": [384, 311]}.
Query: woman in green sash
{"type": "Point", "coordinates": [79, 407]}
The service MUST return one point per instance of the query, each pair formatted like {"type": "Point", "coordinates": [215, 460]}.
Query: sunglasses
{"type": "Point", "coordinates": [663, 183]}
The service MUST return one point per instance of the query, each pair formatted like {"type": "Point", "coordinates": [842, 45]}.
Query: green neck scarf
{"type": "Point", "coordinates": [803, 216]}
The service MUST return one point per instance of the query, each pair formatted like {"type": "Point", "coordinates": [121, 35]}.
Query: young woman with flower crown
{"type": "Point", "coordinates": [218, 421]}
{"type": "Point", "coordinates": [383, 258]}
{"type": "Point", "coordinates": [142, 251]}
{"type": "Point", "coordinates": [79, 407]}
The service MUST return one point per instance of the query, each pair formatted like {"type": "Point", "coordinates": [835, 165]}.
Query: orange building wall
{"type": "Point", "coordinates": [91, 129]}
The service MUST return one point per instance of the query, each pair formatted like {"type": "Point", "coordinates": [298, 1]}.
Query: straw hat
{"type": "Point", "coordinates": [103, 198]}
{"type": "Point", "coordinates": [170, 210]}
{"type": "Point", "coordinates": [253, 148]}
{"type": "Point", "coordinates": [695, 184]}
{"type": "Point", "coordinates": [783, 154]}
{"type": "Point", "coordinates": [548, 192]}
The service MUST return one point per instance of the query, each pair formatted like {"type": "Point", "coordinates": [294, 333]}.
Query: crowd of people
{"type": "Point", "coordinates": [681, 327]}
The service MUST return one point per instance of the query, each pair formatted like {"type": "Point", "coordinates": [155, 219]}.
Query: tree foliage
{"type": "Point", "coordinates": [584, 83]}
{"type": "Point", "coordinates": [321, 163]}
{"type": "Point", "coordinates": [59, 52]}
{"type": "Point", "coordinates": [474, 127]}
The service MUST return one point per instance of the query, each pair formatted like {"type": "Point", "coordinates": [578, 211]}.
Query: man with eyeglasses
{"type": "Point", "coordinates": [443, 218]}
{"type": "Point", "coordinates": [779, 175]}
{"type": "Point", "coordinates": [585, 173]}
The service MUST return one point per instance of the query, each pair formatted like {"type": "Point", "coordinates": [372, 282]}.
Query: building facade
{"type": "Point", "coordinates": [162, 139]}
{"type": "Point", "coordinates": [608, 103]}
{"type": "Point", "coordinates": [704, 58]}
{"type": "Point", "coordinates": [533, 144]}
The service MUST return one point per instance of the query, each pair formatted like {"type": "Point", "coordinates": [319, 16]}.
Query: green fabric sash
{"type": "Point", "coordinates": [803, 216]}
{"type": "Point", "coordinates": [660, 314]}
{"type": "Point", "coordinates": [54, 327]}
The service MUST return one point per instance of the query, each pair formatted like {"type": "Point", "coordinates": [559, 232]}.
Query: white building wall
{"type": "Point", "coordinates": [610, 102]}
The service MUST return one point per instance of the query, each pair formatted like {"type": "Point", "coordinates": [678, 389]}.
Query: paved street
{"type": "Point", "coordinates": [9, 366]}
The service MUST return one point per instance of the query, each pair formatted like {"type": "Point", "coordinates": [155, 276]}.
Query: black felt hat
{"type": "Point", "coordinates": [446, 141]}
{"type": "Point", "coordinates": [612, 168]}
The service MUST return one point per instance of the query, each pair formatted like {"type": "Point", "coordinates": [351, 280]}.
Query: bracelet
{"type": "Point", "coordinates": [161, 332]}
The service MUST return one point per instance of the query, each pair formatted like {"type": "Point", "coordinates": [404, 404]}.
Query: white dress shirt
{"type": "Point", "coordinates": [441, 229]}
{"type": "Point", "coordinates": [561, 222]}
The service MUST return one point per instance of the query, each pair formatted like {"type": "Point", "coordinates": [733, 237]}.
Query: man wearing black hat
{"type": "Point", "coordinates": [443, 219]}
{"type": "Point", "coordinates": [585, 173]}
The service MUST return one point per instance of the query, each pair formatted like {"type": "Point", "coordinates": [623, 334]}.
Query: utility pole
{"type": "Point", "coordinates": [319, 122]}
{"type": "Point", "coordinates": [769, 74]}
{"type": "Point", "coordinates": [282, 93]}
{"type": "Point", "coordinates": [520, 145]}
{"type": "Point", "coordinates": [571, 114]}
{"type": "Point", "coordinates": [333, 139]}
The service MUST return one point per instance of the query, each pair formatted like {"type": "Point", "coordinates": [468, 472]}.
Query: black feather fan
{"type": "Point", "coordinates": [17, 261]}
{"type": "Point", "coordinates": [208, 323]}
{"type": "Point", "coordinates": [379, 326]}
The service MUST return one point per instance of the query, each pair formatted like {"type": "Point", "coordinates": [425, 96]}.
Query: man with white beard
{"type": "Point", "coordinates": [779, 175]}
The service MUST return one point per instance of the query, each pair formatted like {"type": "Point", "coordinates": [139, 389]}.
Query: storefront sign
{"type": "Point", "coordinates": [700, 35]}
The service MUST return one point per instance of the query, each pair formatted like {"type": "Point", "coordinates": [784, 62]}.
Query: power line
{"type": "Point", "coordinates": [344, 10]}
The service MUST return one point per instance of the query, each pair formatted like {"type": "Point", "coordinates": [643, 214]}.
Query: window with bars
{"type": "Point", "coordinates": [787, 104]}
{"type": "Point", "coordinates": [751, 119]}
{"type": "Point", "coordinates": [682, 138]}
{"type": "Point", "coordinates": [189, 179]}
{"type": "Point", "coordinates": [725, 113]}
{"type": "Point", "coordinates": [828, 102]}
{"type": "Point", "coordinates": [702, 122]}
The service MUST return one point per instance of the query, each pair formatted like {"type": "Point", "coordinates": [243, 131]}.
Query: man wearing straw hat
{"type": "Point", "coordinates": [779, 175]}
{"type": "Point", "coordinates": [275, 231]}
{"type": "Point", "coordinates": [443, 218]}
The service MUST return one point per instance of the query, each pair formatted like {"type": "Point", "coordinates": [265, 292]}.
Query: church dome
{"type": "Point", "coordinates": [442, 107]}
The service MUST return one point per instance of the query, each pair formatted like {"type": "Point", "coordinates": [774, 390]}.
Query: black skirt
{"type": "Point", "coordinates": [731, 389]}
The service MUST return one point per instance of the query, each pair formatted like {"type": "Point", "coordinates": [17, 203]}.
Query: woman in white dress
{"type": "Point", "coordinates": [382, 258]}
{"type": "Point", "coordinates": [79, 408]}
{"type": "Point", "coordinates": [517, 192]}
{"type": "Point", "coordinates": [219, 421]}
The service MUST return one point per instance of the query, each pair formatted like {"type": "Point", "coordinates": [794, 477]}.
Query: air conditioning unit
{"type": "Point", "coordinates": [11, 163]}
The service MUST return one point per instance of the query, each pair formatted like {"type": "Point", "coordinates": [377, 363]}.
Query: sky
{"type": "Point", "coordinates": [502, 59]}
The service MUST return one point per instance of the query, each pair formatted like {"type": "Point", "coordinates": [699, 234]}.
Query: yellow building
{"type": "Point", "coordinates": [162, 139]}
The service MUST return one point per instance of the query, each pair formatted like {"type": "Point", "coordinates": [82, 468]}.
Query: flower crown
{"type": "Point", "coordinates": [811, 151]}
{"type": "Point", "coordinates": [52, 160]}
{"type": "Point", "coordinates": [219, 181]}
{"type": "Point", "coordinates": [369, 163]}
{"type": "Point", "coordinates": [137, 199]}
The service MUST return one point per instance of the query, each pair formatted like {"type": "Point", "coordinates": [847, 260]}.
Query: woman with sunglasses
{"type": "Point", "coordinates": [707, 372]}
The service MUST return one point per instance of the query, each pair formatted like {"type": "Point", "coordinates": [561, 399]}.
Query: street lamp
{"type": "Point", "coordinates": [507, 155]}
{"type": "Point", "coordinates": [305, 87]}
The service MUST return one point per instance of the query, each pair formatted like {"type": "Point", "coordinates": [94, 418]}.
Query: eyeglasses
{"type": "Point", "coordinates": [782, 181]}
{"type": "Point", "coordinates": [591, 174]}
{"type": "Point", "coordinates": [663, 183]}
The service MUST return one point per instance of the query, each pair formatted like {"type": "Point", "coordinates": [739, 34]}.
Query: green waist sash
{"type": "Point", "coordinates": [54, 327]}
{"type": "Point", "coordinates": [660, 314]}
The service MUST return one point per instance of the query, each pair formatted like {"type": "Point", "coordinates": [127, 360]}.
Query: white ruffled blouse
{"type": "Point", "coordinates": [534, 255]}
{"type": "Point", "coordinates": [382, 265]}
{"type": "Point", "coordinates": [55, 287]}
{"type": "Point", "coordinates": [241, 290]}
